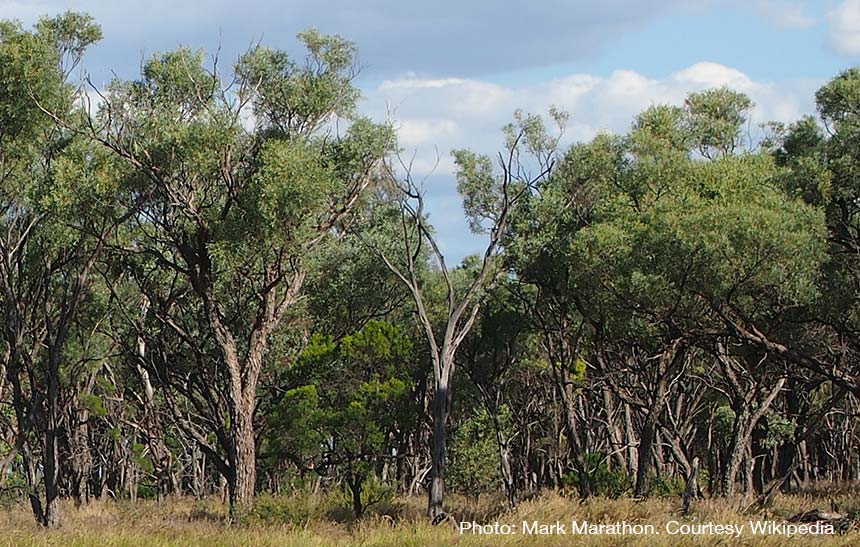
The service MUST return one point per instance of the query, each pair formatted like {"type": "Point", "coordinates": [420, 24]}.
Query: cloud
{"type": "Point", "coordinates": [412, 132]}
{"type": "Point", "coordinates": [844, 22]}
{"type": "Point", "coordinates": [452, 38]}
{"type": "Point", "coordinates": [457, 112]}
{"type": "Point", "coordinates": [783, 14]}
{"type": "Point", "coordinates": [449, 37]}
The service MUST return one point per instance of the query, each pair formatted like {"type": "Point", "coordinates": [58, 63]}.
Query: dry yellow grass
{"type": "Point", "coordinates": [188, 522]}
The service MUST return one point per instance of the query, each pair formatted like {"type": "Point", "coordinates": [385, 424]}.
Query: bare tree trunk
{"type": "Point", "coordinates": [691, 489]}
{"type": "Point", "coordinates": [505, 461]}
{"type": "Point", "coordinates": [630, 436]}
{"type": "Point", "coordinates": [615, 433]}
{"type": "Point", "coordinates": [737, 448]}
{"type": "Point", "coordinates": [741, 441]}
{"type": "Point", "coordinates": [438, 450]}
{"type": "Point", "coordinates": [355, 482]}
{"type": "Point", "coordinates": [81, 459]}
{"type": "Point", "coordinates": [646, 445]}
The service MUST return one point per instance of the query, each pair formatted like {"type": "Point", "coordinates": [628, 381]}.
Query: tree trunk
{"type": "Point", "coordinates": [671, 362]}
{"type": "Point", "coordinates": [568, 397]}
{"type": "Point", "coordinates": [244, 473]}
{"type": "Point", "coordinates": [630, 438]}
{"type": "Point", "coordinates": [355, 483]}
{"type": "Point", "coordinates": [646, 442]}
{"type": "Point", "coordinates": [51, 455]}
{"type": "Point", "coordinates": [691, 489]}
{"type": "Point", "coordinates": [614, 431]}
{"type": "Point", "coordinates": [505, 461]}
{"type": "Point", "coordinates": [740, 444]}
{"type": "Point", "coordinates": [81, 460]}
{"type": "Point", "coordinates": [439, 447]}
{"type": "Point", "coordinates": [737, 449]}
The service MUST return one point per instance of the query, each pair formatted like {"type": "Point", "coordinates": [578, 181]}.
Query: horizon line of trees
{"type": "Point", "coordinates": [225, 280]}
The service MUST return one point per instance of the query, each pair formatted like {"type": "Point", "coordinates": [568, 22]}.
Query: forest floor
{"type": "Point", "coordinates": [304, 521]}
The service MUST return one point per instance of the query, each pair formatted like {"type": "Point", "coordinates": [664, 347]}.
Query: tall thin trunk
{"type": "Point", "coordinates": [355, 483]}
{"type": "Point", "coordinates": [505, 460]}
{"type": "Point", "coordinates": [737, 449]}
{"type": "Point", "coordinates": [740, 445]}
{"type": "Point", "coordinates": [568, 400]}
{"type": "Point", "coordinates": [51, 455]}
{"type": "Point", "coordinates": [646, 445]}
{"type": "Point", "coordinates": [614, 431]}
{"type": "Point", "coordinates": [630, 437]}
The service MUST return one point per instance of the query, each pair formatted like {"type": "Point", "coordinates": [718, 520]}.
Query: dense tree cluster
{"type": "Point", "coordinates": [223, 281]}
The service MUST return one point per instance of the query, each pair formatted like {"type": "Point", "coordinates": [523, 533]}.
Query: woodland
{"type": "Point", "coordinates": [219, 279]}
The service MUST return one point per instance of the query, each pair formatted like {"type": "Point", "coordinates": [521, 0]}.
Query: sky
{"type": "Point", "coordinates": [451, 73]}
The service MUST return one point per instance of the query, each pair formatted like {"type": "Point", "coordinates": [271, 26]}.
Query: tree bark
{"type": "Point", "coordinates": [355, 483]}
{"type": "Point", "coordinates": [438, 450]}
{"type": "Point", "coordinates": [51, 455]}
{"type": "Point", "coordinates": [505, 462]}
{"type": "Point", "coordinates": [671, 363]}
{"type": "Point", "coordinates": [568, 399]}
{"type": "Point", "coordinates": [244, 473]}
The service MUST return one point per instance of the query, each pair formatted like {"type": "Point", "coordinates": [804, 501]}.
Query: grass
{"type": "Point", "coordinates": [323, 520]}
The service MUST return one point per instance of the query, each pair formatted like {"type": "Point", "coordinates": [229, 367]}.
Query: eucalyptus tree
{"type": "Point", "coordinates": [715, 119]}
{"type": "Point", "coordinates": [488, 196]}
{"type": "Point", "coordinates": [60, 203]}
{"type": "Point", "coordinates": [538, 245]}
{"type": "Point", "coordinates": [684, 251]}
{"type": "Point", "coordinates": [242, 181]}
{"type": "Point", "coordinates": [821, 157]}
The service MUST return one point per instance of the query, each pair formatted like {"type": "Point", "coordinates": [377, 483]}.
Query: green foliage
{"type": "Point", "coordinates": [94, 404]}
{"type": "Point", "coordinates": [298, 509]}
{"type": "Point", "coordinates": [349, 397]}
{"type": "Point", "coordinates": [294, 98]}
{"type": "Point", "coordinates": [724, 418]}
{"type": "Point", "coordinates": [716, 117]}
{"type": "Point", "coordinates": [660, 130]}
{"type": "Point", "coordinates": [474, 456]}
{"type": "Point", "coordinates": [667, 487]}
{"type": "Point", "coordinates": [721, 231]}
{"type": "Point", "coordinates": [213, 197]}
{"type": "Point", "coordinates": [478, 185]}
{"type": "Point", "coordinates": [611, 483]}
{"type": "Point", "coordinates": [779, 430]}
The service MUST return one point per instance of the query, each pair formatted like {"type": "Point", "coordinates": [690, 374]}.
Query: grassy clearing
{"type": "Point", "coordinates": [306, 521]}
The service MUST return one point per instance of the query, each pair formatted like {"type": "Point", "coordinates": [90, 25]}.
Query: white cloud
{"type": "Point", "coordinates": [713, 74]}
{"type": "Point", "coordinates": [845, 28]}
{"type": "Point", "coordinates": [416, 83]}
{"type": "Point", "coordinates": [455, 112]}
{"type": "Point", "coordinates": [416, 132]}
{"type": "Point", "coordinates": [785, 14]}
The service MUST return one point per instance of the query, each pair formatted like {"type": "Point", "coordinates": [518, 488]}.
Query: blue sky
{"type": "Point", "coordinates": [451, 73]}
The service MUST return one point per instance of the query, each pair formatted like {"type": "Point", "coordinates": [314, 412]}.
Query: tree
{"type": "Point", "coordinates": [232, 214]}
{"type": "Point", "coordinates": [705, 247]}
{"type": "Point", "coordinates": [715, 119]}
{"type": "Point", "coordinates": [59, 202]}
{"type": "Point", "coordinates": [488, 199]}
{"type": "Point", "coordinates": [347, 401]}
